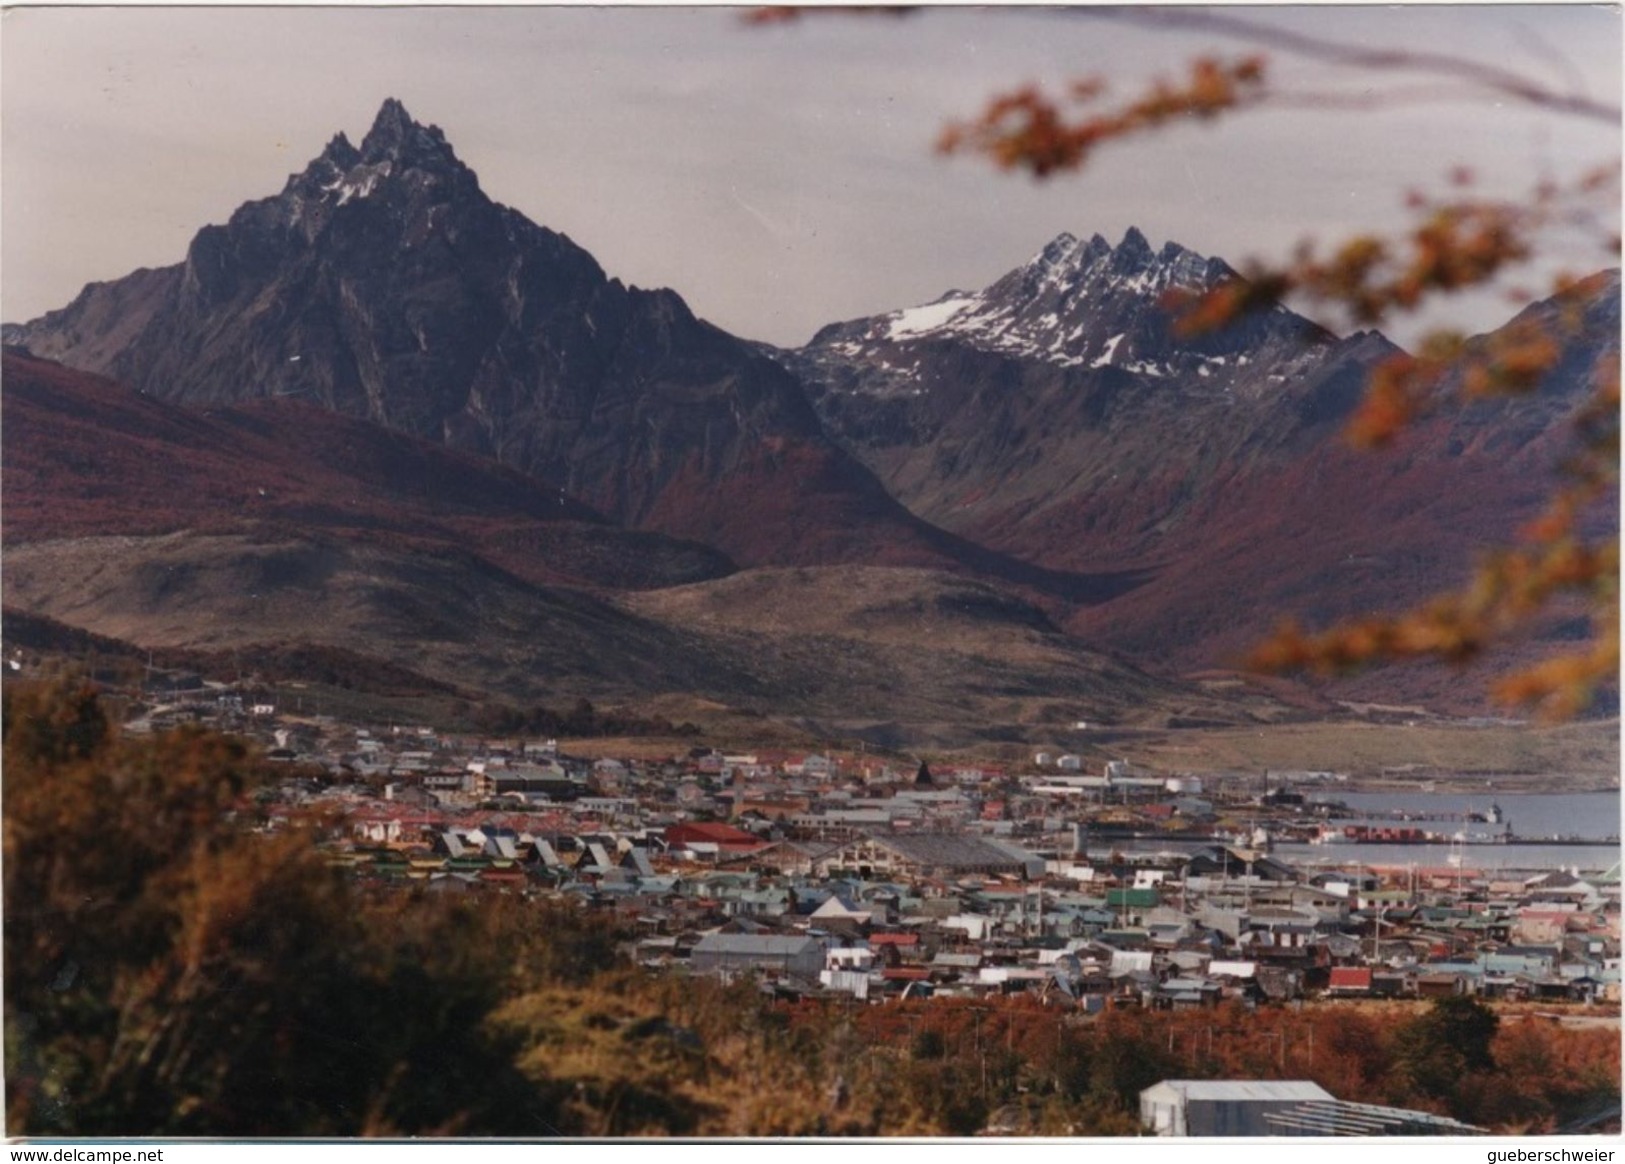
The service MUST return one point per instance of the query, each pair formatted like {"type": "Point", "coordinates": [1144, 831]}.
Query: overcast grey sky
{"type": "Point", "coordinates": [779, 178]}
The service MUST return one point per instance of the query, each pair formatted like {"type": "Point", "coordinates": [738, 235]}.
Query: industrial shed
{"type": "Point", "coordinates": [1222, 1107]}
{"type": "Point", "coordinates": [726, 954]}
{"type": "Point", "coordinates": [929, 855]}
{"type": "Point", "coordinates": [1261, 1107]}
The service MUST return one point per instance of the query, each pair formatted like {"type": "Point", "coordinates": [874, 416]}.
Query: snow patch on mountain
{"type": "Point", "coordinates": [932, 316]}
{"type": "Point", "coordinates": [1105, 357]}
{"type": "Point", "coordinates": [1099, 314]}
{"type": "Point", "coordinates": [358, 183]}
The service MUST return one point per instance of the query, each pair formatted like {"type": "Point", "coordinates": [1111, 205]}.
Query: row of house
{"type": "Point", "coordinates": [847, 875]}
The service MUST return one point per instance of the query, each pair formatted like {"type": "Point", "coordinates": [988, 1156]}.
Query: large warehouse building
{"type": "Point", "coordinates": [1278, 1107]}
{"type": "Point", "coordinates": [1222, 1107]}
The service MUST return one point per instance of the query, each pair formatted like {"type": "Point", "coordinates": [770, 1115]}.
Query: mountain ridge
{"type": "Point", "coordinates": [990, 408]}
{"type": "Point", "coordinates": [1214, 465]}
{"type": "Point", "coordinates": [1055, 431]}
{"type": "Point", "coordinates": [381, 283]}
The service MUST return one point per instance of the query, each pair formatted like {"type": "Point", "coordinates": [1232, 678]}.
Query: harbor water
{"type": "Point", "coordinates": [1567, 830]}
{"type": "Point", "coordinates": [1532, 816]}
{"type": "Point", "coordinates": [1550, 830]}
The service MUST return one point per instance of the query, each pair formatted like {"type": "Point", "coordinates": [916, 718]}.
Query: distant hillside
{"type": "Point", "coordinates": [975, 662]}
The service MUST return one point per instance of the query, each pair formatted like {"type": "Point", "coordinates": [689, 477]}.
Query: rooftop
{"type": "Point", "coordinates": [1240, 1090]}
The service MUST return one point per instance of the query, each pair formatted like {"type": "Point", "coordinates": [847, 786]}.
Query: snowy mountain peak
{"type": "Point", "coordinates": [1064, 258]}
{"type": "Point", "coordinates": [1066, 262]}
{"type": "Point", "coordinates": [1085, 305]}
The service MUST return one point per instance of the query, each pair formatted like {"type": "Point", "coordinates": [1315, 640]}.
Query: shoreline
{"type": "Point", "coordinates": [1509, 785]}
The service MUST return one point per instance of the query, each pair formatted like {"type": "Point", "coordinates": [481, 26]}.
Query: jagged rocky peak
{"type": "Point", "coordinates": [1078, 304]}
{"type": "Point", "coordinates": [392, 121]}
{"type": "Point", "coordinates": [1068, 262]}
{"type": "Point", "coordinates": [1060, 246]}
{"type": "Point", "coordinates": [394, 136]}
{"type": "Point", "coordinates": [340, 152]}
{"type": "Point", "coordinates": [1063, 259]}
{"type": "Point", "coordinates": [395, 145]}
{"type": "Point", "coordinates": [1133, 252]}
{"type": "Point", "coordinates": [1173, 266]}
{"type": "Point", "coordinates": [1068, 272]}
{"type": "Point", "coordinates": [1061, 252]}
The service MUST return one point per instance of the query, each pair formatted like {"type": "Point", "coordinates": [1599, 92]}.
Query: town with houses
{"type": "Point", "coordinates": [852, 875]}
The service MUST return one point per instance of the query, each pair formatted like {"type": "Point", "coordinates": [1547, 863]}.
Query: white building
{"type": "Point", "coordinates": [1222, 1107]}
{"type": "Point", "coordinates": [731, 954]}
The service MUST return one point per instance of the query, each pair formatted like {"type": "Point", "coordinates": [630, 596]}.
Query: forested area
{"type": "Point", "coordinates": [173, 968]}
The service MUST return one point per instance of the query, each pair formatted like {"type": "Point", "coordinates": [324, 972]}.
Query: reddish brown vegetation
{"type": "Point", "coordinates": [968, 1055]}
{"type": "Point", "coordinates": [86, 457]}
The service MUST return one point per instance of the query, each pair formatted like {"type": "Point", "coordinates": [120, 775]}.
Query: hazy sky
{"type": "Point", "coordinates": [779, 178]}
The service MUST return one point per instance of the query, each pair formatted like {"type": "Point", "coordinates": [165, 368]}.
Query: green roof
{"type": "Point", "coordinates": [1132, 898]}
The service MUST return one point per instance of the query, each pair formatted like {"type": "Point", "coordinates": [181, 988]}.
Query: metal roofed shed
{"type": "Point", "coordinates": [928, 854]}
{"type": "Point", "coordinates": [787, 953]}
{"type": "Point", "coordinates": [1223, 1107]}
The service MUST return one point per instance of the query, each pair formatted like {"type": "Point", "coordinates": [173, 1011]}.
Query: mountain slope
{"type": "Point", "coordinates": [1335, 532]}
{"type": "Point", "coordinates": [383, 284]}
{"type": "Point", "coordinates": [84, 456]}
{"type": "Point", "coordinates": [1063, 389]}
{"type": "Point", "coordinates": [1059, 416]}
{"type": "Point", "coordinates": [318, 543]}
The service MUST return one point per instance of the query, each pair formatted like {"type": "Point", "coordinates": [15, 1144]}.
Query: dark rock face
{"type": "Point", "coordinates": [383, 284]}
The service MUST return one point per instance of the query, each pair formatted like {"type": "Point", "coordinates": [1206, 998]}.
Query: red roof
{"type": "Point", "coordinates": [709, 832]}
{"type": "Point", "coordinates": [1351, 977]}
{"type": "Point", "coordinates": [894, 939]}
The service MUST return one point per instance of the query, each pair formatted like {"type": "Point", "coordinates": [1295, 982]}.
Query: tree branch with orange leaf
{"type": "Point", "coordinates": [1455, 244]}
